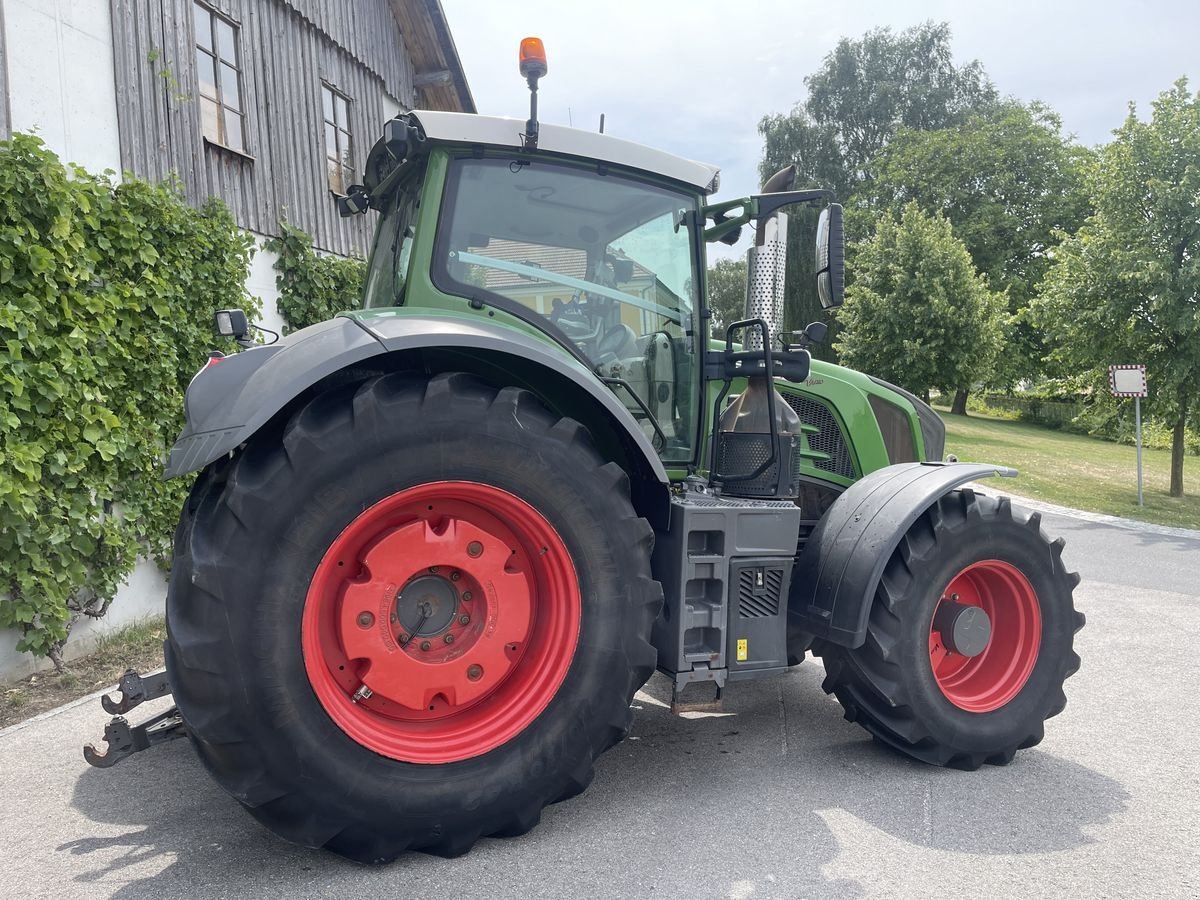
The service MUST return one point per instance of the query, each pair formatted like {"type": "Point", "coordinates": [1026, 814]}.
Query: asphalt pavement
{"type": "Point", "coordinates": [782, 798]}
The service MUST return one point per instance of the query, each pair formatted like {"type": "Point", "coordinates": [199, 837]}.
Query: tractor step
{"type": "Point", "coordinates": [124, 740]}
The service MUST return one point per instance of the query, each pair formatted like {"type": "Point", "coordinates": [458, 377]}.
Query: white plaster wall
{"type": "Point", "coordinates": [260, 283]}
{"type": "Point", "coordinates": [142, 595]}
{"type": "Point", "coordinates": [60, 78]}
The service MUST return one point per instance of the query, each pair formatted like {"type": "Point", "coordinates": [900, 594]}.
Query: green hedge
{"type": "Point", "coordinates": [1032, 408]}
{"type": "Point", "coordinates": [312, 288]}
{"type": "Point", "coordinates": [106, 298]}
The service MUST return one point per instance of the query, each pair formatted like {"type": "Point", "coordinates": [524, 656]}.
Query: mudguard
{"type": "Point", "coordinates": [229, 401]}
{"type": "Point", "coordinates": [834, 581]}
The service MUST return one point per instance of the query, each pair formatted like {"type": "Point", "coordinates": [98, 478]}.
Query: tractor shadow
{"type": "Point", "coordinates": [743, 805]}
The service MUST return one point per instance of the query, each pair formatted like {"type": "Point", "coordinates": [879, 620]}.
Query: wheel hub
{"type": "Point", "coordinates": [965, 630]}
{"type": "Point", "coordinates": [441, 621]}
{"type": "Point", "coordinates": [985, 635]}
{"type": "Point", "coordinates": [426, 605]}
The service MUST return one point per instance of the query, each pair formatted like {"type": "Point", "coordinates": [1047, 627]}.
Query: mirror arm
{"type": "Point", "coordinates": [765, 204]}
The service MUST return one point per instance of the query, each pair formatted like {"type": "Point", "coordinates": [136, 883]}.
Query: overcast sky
{"type": "Point", "coordinates": [694, 76]}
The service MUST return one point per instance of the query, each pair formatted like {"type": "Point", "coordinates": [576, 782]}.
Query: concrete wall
{"type": "Point", "coordinates": [142, 595]}
{"type": "Point", "coordinates": [60, 78]}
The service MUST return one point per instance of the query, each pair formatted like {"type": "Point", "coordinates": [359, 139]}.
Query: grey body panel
{"type": "Point", "coordinates": [226, 406]}
{"type": "Point", "coordinates": [834, 581]}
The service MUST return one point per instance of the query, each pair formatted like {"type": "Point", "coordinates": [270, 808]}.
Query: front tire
{"type": "Point", "coordinates": [412, 618]}
{"type": "Point", "coordinates": [982, 702]}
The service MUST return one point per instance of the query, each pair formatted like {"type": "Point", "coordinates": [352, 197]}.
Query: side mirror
{"type": "Point", "coordinates": [815, 333]}
{"type": "Point", "coordinates": [231, 323]}
{"type": "Point", "coordinates": [831, 257]}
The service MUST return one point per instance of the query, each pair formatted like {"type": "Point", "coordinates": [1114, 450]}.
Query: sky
{"type": "Point", "coordinates": [694, 77]}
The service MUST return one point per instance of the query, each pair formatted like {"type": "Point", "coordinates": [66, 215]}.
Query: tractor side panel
{"type": "Point", "coordinates": [836, 574]}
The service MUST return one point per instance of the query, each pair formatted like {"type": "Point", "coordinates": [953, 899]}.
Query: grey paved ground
{"type": "Point", "coordinates": [783, 799]}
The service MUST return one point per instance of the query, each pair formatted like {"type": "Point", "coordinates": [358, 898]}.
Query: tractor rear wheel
{"type": "Point", "coordinates": [969, 639]}
{"type": "Point", "coordinates": [411, 617]}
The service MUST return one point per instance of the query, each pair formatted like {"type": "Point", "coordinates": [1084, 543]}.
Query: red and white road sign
{"type": "Point", "coordinates": [1127, 381]}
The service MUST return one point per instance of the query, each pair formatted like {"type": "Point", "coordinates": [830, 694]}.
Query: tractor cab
{"type": "Point", "coordinates": [595, 243]}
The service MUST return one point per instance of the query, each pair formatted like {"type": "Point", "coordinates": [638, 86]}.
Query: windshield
{"type": "Point", "coordinates": [605, 263]}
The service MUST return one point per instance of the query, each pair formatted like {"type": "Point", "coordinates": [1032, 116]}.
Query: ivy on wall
{"type": "Point", "coordinates": [106, 298]}
{"type": "Point", "coordinates": [312, 288]}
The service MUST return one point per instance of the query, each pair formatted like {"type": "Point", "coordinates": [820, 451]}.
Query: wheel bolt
{"type": "Point", "coordinates": [365, 620]}
{"type": "Point", "coordinates": [464, 620]}
{"type": "Point", "coordinates": [404, 638]}
{"type": "Point", "coordinates": [466, 595]}
{"type": "Point", "coordinates": [454, 576]}
{"type": "Point", "coordinates": [449, 639]}
{"type": "Point", "coordinates": [475, 672]}
{"type": "Point", "coordinates": [425, 645]}
{"type": "Point", "coordinates": [474, 548]}
{"type": "Point", "coordinates": [433, 569]}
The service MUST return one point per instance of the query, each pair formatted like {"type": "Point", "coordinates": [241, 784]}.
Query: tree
{"type": "Point", "coordinates": [864, 91]}
{"type": "Point", "coordinates": [726, 292]}
{"type": "Point", "coordinates": [918, 314]}
{"type": "Point", "coordinates": [1126, 288]}
{"type": "Point", "coordinates": [1011, 184]}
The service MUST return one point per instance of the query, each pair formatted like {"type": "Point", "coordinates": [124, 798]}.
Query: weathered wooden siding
{"type": "Point", "coordinates": [287, 49]}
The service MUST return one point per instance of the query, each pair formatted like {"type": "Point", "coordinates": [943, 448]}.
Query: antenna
{"type": "Point", "coordinates": [570, 119]}
{"type": "Point", "coordinates": [602, 123]}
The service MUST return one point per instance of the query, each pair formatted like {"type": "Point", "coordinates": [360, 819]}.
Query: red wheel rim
{"type": "Point", "coordinates": [996, 675]}
{"type": "Point", "coordinates": [483, 589]}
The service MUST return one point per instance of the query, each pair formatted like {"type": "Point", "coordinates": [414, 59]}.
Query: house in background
{"type": "Point", "coordinates": [270, 105]}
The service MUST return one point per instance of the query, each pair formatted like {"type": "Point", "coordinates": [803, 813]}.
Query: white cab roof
{"type": "Point", "coordinates": [493, 130]}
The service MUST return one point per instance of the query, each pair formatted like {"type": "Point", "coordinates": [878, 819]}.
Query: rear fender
{"type": "Point", "coordinates": [834, 581]}
{"type": "Point", "coordinates": [228, 402]}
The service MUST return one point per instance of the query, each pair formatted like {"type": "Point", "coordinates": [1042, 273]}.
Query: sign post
{"type": "Point", "coordinates": [1130, 381]}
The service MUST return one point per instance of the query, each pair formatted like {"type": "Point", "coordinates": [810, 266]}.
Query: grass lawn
{"type": "Point", "coordinates": [137, 646]}
{"type": "Point", "coordinates": [1077, 471]}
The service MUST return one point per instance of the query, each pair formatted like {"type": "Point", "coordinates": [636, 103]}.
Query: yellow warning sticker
{"type": "Point", "coordinates": [743, 650]}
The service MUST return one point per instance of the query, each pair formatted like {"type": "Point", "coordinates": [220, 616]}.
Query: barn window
{"type": "Point", "coordinates": [218, 73]}
{"type": "Point", "coordinates": [339, 146]}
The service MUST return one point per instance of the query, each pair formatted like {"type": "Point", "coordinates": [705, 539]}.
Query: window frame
{"type": "Point", "coordinates": [219, 63]}
{"type": "Point", "coordinates": [340, 131]}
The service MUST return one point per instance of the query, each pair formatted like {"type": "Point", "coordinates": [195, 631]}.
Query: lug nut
{"type": "Point", "coordinates": [433, 569]}
{"type": "Point", "coordinates": [425, 645]}
{"type": "Point", "coordinates": [466, 595]}
{"type": "Point", "coordinates": [404, 638]}
{"type": "Point", "coordinates": [474, 548]}
{"type": "Point", "coordinates": [464, 620]}
{"type": "Point", "coordinates": [449, 639]}
{"type": "Point", "coordinates": [365, 620]}
{"type": "Point", "coordinates": [475, 672]}
{"type": "Point", "coordinates": [454, 576]}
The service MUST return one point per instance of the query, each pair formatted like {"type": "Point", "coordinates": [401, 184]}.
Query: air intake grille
{"type": "Point", "coordinates": [829, 439]}
{"type": "Point", "coordinates": [756, 600]}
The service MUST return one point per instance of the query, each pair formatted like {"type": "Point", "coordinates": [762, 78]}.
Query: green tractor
{"type": "Point", "coordinates": [436, 544]}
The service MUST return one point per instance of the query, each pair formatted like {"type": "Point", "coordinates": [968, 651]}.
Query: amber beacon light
{"type": "Point", "coordinates": [533, 58]}
{"type": "Point", "coordinates": [533, 67]}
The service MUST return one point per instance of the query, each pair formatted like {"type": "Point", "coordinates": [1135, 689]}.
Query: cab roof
{"type": "Point", "coordinates": [467, 128]}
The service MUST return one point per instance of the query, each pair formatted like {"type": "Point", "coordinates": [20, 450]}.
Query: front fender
{"type": "Point", "coordinates": [230, 401]}
{"type": "Point", "coordinates": [834, 581]}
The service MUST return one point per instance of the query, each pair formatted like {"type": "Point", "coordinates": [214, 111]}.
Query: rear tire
{"type": "Point", "coordinates": [254, 591]}
{"type": "Point", "coordinates": [947, 709]}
